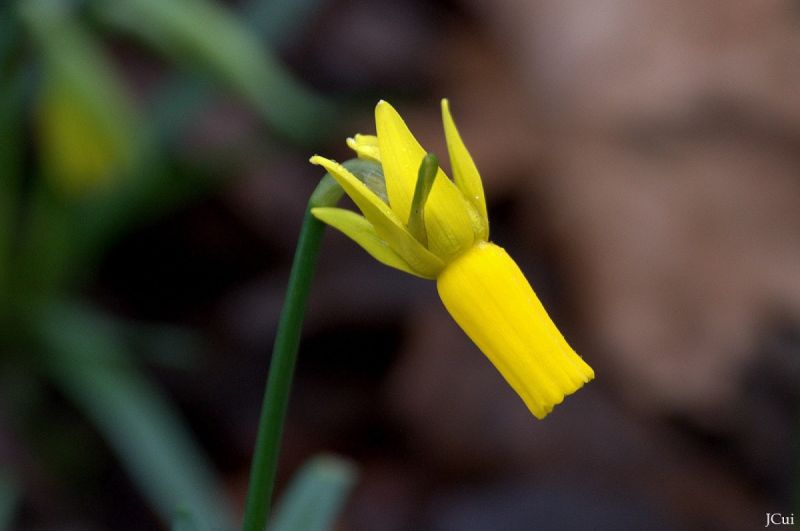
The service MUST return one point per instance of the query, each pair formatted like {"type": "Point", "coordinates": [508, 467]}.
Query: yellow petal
{"type": "Point", "coordinates": [465, 173]}
{"type": "Point", "coordinates": [366, 147]}
{"type": "Point", "coordinates": [447, 218]}
{"type": "Point", "coordinates": [386, 224]}
{"type": "Point", "coordinates": [361, 231]}
{"type": "Point", "coordinates": [489, 297]}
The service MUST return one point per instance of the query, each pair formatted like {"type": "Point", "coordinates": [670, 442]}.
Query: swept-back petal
{"type": "Point", "coordinates": [465, 173]}
{"type": "Point", "coordinates": [386, 224]}
{"type": "Point", "coordinates": [361, 231]}
{"type": "Point", "coordinates": [365, 146]}
{"type": "Point", "coordinates": [448, 222]}
{"type": "Point", "coordinates": [489, 297]}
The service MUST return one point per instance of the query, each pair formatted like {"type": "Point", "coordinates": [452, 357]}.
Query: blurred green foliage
{"type": "Point", "coordinates": [97, 372]}
{"type": "Point", "coordinates": [9, 497]}
{"type": "Point", "coordinates": [86, 122]}
{"type": "Point", "coordinates": [205, 36]}
{"type": "Point", "coordinates": [315, 496]}
{"type": "Point", "coordinates": [81, 162]}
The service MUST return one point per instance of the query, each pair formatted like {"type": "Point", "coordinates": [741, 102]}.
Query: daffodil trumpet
{"type": "Point", "coordinates": [432, 227]}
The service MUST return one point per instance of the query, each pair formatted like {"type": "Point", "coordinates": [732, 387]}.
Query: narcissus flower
{"type": "Point", "coordinates": [427, 225]}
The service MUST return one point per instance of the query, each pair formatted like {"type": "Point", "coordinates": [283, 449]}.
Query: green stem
{"type": "Point", "coordinates": [287, 340]}
{"type": "Point", "coordinates": [284, 355]}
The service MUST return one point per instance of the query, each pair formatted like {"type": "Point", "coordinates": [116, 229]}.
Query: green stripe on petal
{"type": "Point", "coordinates": [465, 173]}
{"type": "Point", "coordinates": [428, 170]}
{"type": "Point", "coordinates": [447, 216]}
{"type": "Point", "coordinates": [386, 224]}
{"type": "Point", "coordinates": [361, 231]}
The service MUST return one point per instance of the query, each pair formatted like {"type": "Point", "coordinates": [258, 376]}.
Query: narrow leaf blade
{"type": "Point", "coordinates": [315, 496]}
{"type": "Point", "coordinates": [136, 419]}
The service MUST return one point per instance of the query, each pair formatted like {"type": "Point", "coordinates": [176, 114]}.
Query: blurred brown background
{"type": "Point", "coordinates": [642, 164]}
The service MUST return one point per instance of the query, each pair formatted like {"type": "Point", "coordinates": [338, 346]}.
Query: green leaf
{"type": "Point", "coordinates": [184, 521]}
{"type": "Point", "coordinates": [9, 35]}
{"type": "Point", "coordinates": [279, 20]}
{"type": "Point", "coordinates": [182, 96]}
{"type": "Point", "coordinates": [315, 496]}
{"type": "Point", "coordinates": [206, 36]}
{"type": "Point", "coordinates": [90, 364]}
{"type": "Point", "coordinates": [179, 101]}
{"type": "Point", "coordinates": [168, 346]}
{"type": "Point", "coordinates": [9, 499]}
{"type": "Point", "coordinates": [13, 90]}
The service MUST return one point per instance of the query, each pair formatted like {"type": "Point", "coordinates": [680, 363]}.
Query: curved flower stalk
{"type": "Point", "coordinates": [429, 226]}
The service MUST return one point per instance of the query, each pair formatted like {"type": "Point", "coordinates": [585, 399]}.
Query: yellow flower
{"type": "Point", "coordinates": [478, 282]}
